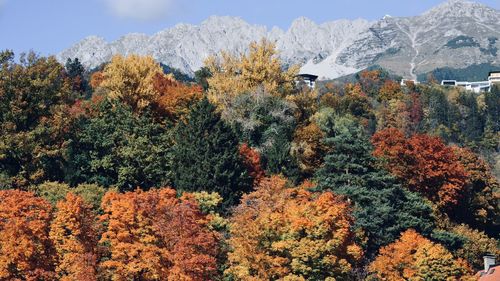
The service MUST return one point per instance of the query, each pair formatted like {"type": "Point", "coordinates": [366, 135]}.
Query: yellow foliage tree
{"type": "Point", "coordinates": [74, 234]}
{"type": "Point", "coordinates": [414, 257]}
{"type": "Point", "coordinates": [476, 245]}
{"type": "Point", "coordinates": [390, 90]}
{"type": "Point", "coordinates": [234, 75]}
{"type": "Point", "coordinates": [282, 233]}
{"type": "Point", "coordinates": [131, 80]}
{"type": "Point", "coordinates": [393, 114]}
{"type": "Point", "coordinates": [308, 148]}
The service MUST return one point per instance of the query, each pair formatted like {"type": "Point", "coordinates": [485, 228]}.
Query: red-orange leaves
{"type": "Point", "coordinates": [75, 236]}
{"type": "Point", "coordinates": [25, 248]}
{"type": "Point", "coordinates": [390, 90]}
{"type": "Point", "coordinates": [175, 98]}
{"type": "Point", "coordinates": [424, 163]}
{"type": "Point", "coordinates": [251, 160]}
{"type": "Point", "coordinates": [155, 236]}
{"type": "Point", "coordinates": [283, 233]}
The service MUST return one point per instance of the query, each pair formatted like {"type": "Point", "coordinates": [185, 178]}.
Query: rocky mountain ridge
{"type": "Point", "coordinates": [456, 34]}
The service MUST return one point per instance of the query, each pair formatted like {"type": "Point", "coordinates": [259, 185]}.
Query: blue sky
{"type": "Point", "coordinates": [49, 26]}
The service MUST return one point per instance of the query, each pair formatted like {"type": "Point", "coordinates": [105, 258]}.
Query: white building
{"type": "Point", "coordinates": [476, 87]}
{"type": "Point", "coordinates": [308, 79]}
{"type": "Point", "coordinates": [494, 77]}
{"type": "Point", "coordinates": [405, 82]}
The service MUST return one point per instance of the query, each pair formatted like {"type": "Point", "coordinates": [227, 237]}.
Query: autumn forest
{"type": "Point", "coordinates": [135, 171]}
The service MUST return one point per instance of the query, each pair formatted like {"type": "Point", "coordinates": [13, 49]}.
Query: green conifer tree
{"type": "Point", "coordinates": [381, 207]}
{"type": "Point", "coordinates": [206, 156]}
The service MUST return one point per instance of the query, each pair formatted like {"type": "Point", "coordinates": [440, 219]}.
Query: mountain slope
{"type": "Point", "coordinates": [454, 34]}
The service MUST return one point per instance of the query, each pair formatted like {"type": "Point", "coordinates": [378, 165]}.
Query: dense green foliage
{"type": "Point", "coordinates": [381, 207]}
{"type": "Point", "coordinates": [477, 72]}
{"type": "Point", "coordinates": [114, 147]}
{"type": "Point", "coordinates": [205, 156]}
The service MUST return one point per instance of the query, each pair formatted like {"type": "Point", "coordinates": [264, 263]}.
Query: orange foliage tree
{"type": "Point", "coordinates": [424, 163]}
{"type": "Point", "coordinates": [251, 160]}
{"type": "Point", "coordinates": [155, 236]}
{"type": "Point", "coordinates": [390, 90]}
{"type": "Point", "coordinates": [414, 257]}
{"type": "Point", "coordinates": [96, 79]}
{"type": "Point", "coordinates": [75, 235]}
{"type": "Point", "coordinates": [357, 103]}
{"type": "Point", "coordinates": [175, 97]}
{"type": "Point", "coordinates": [286, 233]}
{"type": "Point", "coordinates": [370, 80]}
{"type": "Point", "coordinates": [25, 249]}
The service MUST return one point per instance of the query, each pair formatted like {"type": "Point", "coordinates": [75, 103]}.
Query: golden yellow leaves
{"type": "Point", "coordinates": [130, 80]}
{"type": "Point", "coordinates": [285, 233]}
{"type": "Point", "coordinates": [414, 257]}
{"type": "Point", "coordinates": [235, 75]}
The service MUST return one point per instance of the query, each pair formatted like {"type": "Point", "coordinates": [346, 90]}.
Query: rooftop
{"type": "Point", "coordinates": [493, 274]}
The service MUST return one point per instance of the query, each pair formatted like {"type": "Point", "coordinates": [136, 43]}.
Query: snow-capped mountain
{"type": "Point", "coordinates": [456, 33]}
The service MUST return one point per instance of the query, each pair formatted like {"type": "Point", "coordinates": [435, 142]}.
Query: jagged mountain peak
{"type": "Point", "coordinates": [302, 22]}
{"type": "Point", "coordinates": [456, 33]}
{"type": "Point", "coordinates": [461, 8]}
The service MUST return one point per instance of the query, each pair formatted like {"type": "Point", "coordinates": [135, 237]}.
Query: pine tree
{"type": "Point", "coordinates": [76, 72]}
{"type": "Point", "coordinates": [381, 207]}
{"type": "Point", "coordinates": [469, 118]}
{"type": "Point", "coordinates": [492, 102]}
{"type": "Point", "coordinates": [277, 157]}
{"type": "Point", "coordinates": [206, 156]}
{"type": "Point", "coordinates": [348, 164]}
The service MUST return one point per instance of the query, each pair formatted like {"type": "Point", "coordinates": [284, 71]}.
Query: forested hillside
{"type": "Point", "coordinates": [126, 173]}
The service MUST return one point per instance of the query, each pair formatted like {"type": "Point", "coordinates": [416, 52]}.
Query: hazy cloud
{"type": "Point", "coordinates": [140, 9]}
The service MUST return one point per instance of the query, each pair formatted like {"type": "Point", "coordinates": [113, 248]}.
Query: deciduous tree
{"type": "Point", "coordinates": [413, 257]}
{"type": "Point", "coordinates": [235, 75]}
{"type": "Point", "coordinates": [251, 160]}
{"type": "Point", "coordinates": [155, 236]}
{"type": "Point", "coordinates": [390, 90]}
{"type": "Point", "coordinates": [54, 192]}
{"type": "Point", "coordinates": [308, 148]}
{"type": "Point", "coordinates": [175, 98]}
{"type": "Point", "coordinates": [74, 232]}
{"type": "Point", "coordinates": [26, 252]}
{"type": "Point", "coordinates": [283, 233]}
{"type": "Point", "coordinates": [424, 164]}
{"type": "Point", "coordinates": [131, 80]}
{"type": "Point", "coordinates": [476, 245]}
{"type": "Point", "coordinates": [480, 204]}
{"type": "Point", "coordinates": [32, 92]}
